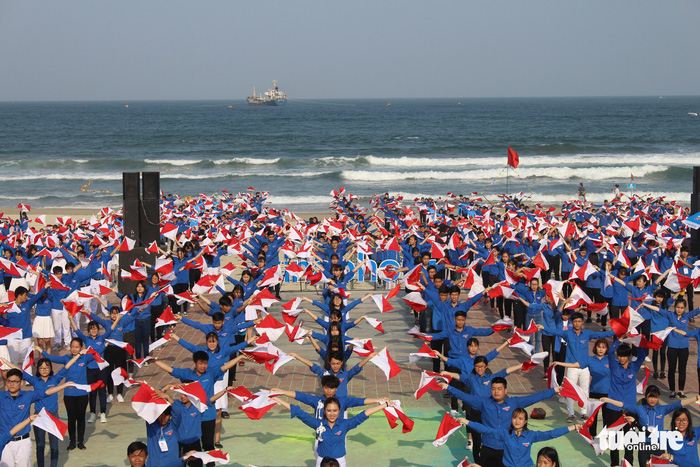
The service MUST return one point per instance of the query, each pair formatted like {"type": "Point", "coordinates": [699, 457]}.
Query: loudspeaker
{"type": "Point", "coordinates": [131, 185]}
{"type": "Point", "coordinates": [695, 207]}
{"type": "Point", "coordinates": [126, 259]}
{"type": "Point", "coordinates": [149, 214]}
{"type": "Point", "coordinates": [150, 185]}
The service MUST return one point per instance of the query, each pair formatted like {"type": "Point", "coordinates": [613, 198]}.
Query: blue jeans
{"type": "Point", "coordinates": [40, 437]}
{"type": "Point", "coordinates": [142, 334]}
{"type": "Point", "coordinates": [537, 337]}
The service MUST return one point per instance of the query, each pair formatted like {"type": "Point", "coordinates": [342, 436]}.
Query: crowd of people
{"type": "Point", "coordinates": [617, 275]}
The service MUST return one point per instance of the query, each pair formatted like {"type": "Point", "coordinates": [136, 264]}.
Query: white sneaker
{"type": "Point", "coordinates": [91, 418]}
{"type": "Point", "coordinates": [110, 398]}
{"type": "Point", "coordinates": [454, 413]}
{"type": "Point", "coordinates": [145, 364]}
{"type": "Point", "coordinates": [103, 418]}
{"type": "Point", "coordinates": [120, 398]}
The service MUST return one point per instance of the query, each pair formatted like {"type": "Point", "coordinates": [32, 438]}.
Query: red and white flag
{"type": "Point", "coordinates": [160, 342]}
{"type": "Point", "coordinates": [127, 244]}
{"type": "Point", "coordinates": [382, 303]}
{"type": "Point", "coordinates": [385, 363]}
{"type": "Point", "coordinates": [394, 413]}
{"type": "Point", "coordinates": [147, 404]}
{"type": "Point", "coordinates": [88, 387]}
{"type": "Point", "coordinates": [573, 391]}
{"type": "Point", "coordinates": [52, 425]}
{"type": "Point", "coordinates": [10, 333]}
{"type": "Point", "coordinates": [101, 362]}
{"type": "Point", "coordinates": [535, 360]}
{"type": "Point", "coordinates": [166, 318]}
{"type": "Point", "coordinates": [217, 456]}
{"type": "Point", "coordinates": [296, 333]}
{"type": "Point", "coordinates": [241, 393]}
{"type": "Point", "coordinates": [196, 395]}
{"type": "Point", "coordinates": [424, 352]}
{"type": "Point", "coordinates": [124, 345]}
{"type": "Point", "coordinates": [531, 329]}
{"type": "Point", "coordinates": [629, 320]}
{"type": "Point", "coordinates": [517, 342]}
{"type": "Point", "coordinates": [448, 425]}
{"type": "Point", "coordinates": [415, 332]}
{"type": "Point", "coordinates": [139, 363]}
{"type": "Point", "coordinates": [375, 323]}
{"type": "Point", "coordinates": [502, 324]}
{"type": "Point", "coordinates": [362, 347]}
{"type": "Point", "coordinates": [120, 376]}
{"type": "Point", "coordinates": [258, 406]}
{"type": "Point", "coordinates": [429, 381]}
{"type": "Point", "coordinates": [415, 301]}
{"type": "Point", "coordinates": [643, 383]}
{"type": "Point", "coordinates": [270, 326]}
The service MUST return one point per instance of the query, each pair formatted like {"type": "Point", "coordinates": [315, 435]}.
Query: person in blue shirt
{"type": "Point", "coordinates": [163, 450]}
{"type": "Point", "coordinates": [97, 342]}
{"type": "Point", "coordinates": [599, 368]}
{"type": "Point", "coordinates": [14, 408]}
{"type": "Point", "coordinates": [75, 399]}
{"type": "Point", "coordinates": [623, 387]}
{"type": "Point", "coordinates": [329, 385]}
{"type": "Point", "coordinates": [478, 383]}
{"type": "Point", "coordinates": [46, 380]}
{"type": "Point", "coordinates": [650, 415]}
{"type": "Point", "coordinates": [332, 430]}
{"type": "Point", "coordinates": [687, 455]}
{"type": "Point", "coordinates": [116, 356]}
{"type": "Point", "coordinates": [19, 316]}
{"type": "Point", "coordinates": [678, 344]}
{"type": "Point", "coordinates": [137, 454]}
{"type": "Point", "coordinates": [6, 437]}
{"type": "Point", "coordinates": [187, 420]}
{"type": "Point", "coordinates": [496, 413]}
{"type": "Point", "coordinates": [335, 365]}
{"type": "Point", "coordinates": [518, 439]}
{"type": "Point", "coordinates": [207, 377]}
{"type": "Point", "coordinates": [577, 343]}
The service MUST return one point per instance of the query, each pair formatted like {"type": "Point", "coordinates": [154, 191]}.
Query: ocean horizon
{"type": "Point", "coordinates": [302, 151]}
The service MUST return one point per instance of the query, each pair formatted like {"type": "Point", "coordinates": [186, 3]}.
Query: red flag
{"type": "Point", "coordinates": [513, 159]}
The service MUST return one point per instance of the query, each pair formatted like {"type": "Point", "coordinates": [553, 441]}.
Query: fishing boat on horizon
{"type": "Point", "coordinates": [272, 97]}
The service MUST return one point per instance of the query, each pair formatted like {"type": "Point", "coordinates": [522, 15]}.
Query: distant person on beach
{"type": "Point", "coordinates": [581, 192]}
{"type": "Point", "coordinates": [616, 192]}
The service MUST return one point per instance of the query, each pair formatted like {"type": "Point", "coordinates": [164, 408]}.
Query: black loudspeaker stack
{"type": "Point", "coordinates": [141, 196]}
{"type": "Point", "coordinates": [695, 207]}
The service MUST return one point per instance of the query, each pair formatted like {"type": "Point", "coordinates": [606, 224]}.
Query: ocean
{"type": "Point", "coordinates": [50, 152]}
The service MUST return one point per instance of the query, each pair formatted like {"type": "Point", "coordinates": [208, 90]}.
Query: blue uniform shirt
{"type": "Point", "coordinates": [14, 410]}
{"type": "Point", "coordinates": [331, 441]}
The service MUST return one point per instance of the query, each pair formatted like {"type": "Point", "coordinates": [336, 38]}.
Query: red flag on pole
{"type": "Point", "coordinates": [513, 159]}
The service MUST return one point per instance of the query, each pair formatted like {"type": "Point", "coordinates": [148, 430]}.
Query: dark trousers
{"type": "Point", "coordinates": [491, 457]}
{"type": "Point", "coordinates": [187, 447]}
{"type": "Point", "coordinates": [475, 416]}
{"type": "Point", "coordinates": [437, 344]}
{"type": "Point", "coordinates": [677, 358]}
{"type": "Point", "coordinates": [609, 417]}
{"type": "Point", "coordinates": [177, 288]}
{"type": "Point", "coordinates": [659, 354]}
{"type": "Point", "coordinates": [548, 346]}
{"type": "Point", "coordinates": [519, 312]}
{"type": "Point", "coordinates": [75, 408]}
{"type": "Point", "coordinates": [593, 429]}
{"type": "Point", "coordinates": [156, 332]}
{"type": "Point", "coordinates": [40, 437]}
{"type": "Point", "coordinates": [94, 375]}
{"type": "Point", "coordinates": [116, 357]}
{"type": "Point", "coordinates": [208, 428]}
{"type": "Point", "coordinates": [142, 330]}
{"type": "Point", "coordinates": [457, 384]}
{"type": "Point", "coordinates": [560, 357]}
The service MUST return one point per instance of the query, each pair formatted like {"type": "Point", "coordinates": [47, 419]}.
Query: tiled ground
{"type": "Point", "coordinates": [277, 440]}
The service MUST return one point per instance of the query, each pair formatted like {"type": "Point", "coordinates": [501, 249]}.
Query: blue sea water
{"type": "Point", "coordinates": [302, 151]}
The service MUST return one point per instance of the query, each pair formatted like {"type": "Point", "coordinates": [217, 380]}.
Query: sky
{"type": "Point", "coordinates": [179, 50]}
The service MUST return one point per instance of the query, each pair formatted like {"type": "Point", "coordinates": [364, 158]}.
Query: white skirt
{"type": "Point", "coordinates": [42, 327]}
{"type": "Point", "coordinates": [222, 402]}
